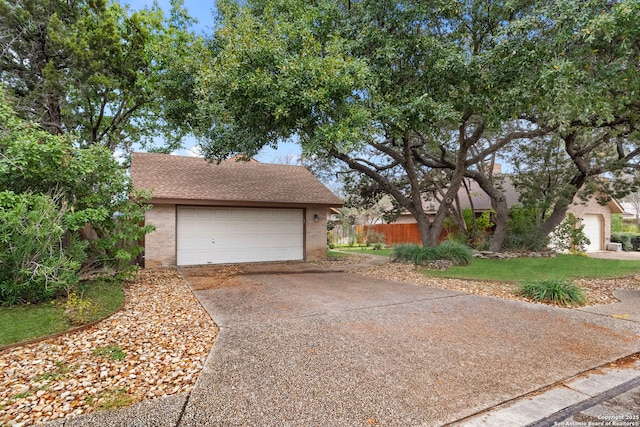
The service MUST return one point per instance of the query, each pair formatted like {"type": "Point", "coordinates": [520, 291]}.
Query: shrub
{"type": "Point", "coordinates": [38, 260]}
{"type": "Point", "coordinates": [630, 241]}
{"type": "Point", "coordinates": [79, 310]}
{"type": "Point", "coordinates": [557, 292]}
{"type": "Point", "coordinates": [58, 195]}
{"type": "Point", "coordinates": [523, 233]}
{"type": "Point", "coordinates": [449, 250]}
{"type": "Point", "coordinates": [569, 235]}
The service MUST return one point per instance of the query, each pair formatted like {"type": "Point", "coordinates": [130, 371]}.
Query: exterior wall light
{"type": "Point", "coordinates": [316, 218]}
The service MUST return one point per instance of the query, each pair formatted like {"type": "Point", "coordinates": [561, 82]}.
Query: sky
{"type": "Point", "coordinates": [203, 12]}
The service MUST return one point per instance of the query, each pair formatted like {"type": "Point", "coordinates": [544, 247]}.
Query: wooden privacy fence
{"type": "Point", "coordinates": [393, 234]}
{"type": "Point", "coordinates": [396, 233]}
{"type": "Point", "coordinates": [400, 233]}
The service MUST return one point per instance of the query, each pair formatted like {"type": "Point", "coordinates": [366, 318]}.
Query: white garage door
{"type": "Point", "coordinates": [593, 231]}
{"type": "Point", "coordinates": [230, 235]}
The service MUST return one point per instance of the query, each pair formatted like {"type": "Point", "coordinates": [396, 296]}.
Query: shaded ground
{"type": "Point", "coordinates": [344, 349]}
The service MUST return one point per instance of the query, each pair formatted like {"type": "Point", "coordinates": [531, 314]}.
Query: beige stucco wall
{"type": "Point", "coordinates": [592, 207]}
{"type": "Point", "coordinates": [160, 245]}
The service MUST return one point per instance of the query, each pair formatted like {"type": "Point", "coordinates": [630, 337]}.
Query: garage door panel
{"type": "Point", "coordinates": [227, 235]}
{"type": "Point", "coordinates": [593, 230]}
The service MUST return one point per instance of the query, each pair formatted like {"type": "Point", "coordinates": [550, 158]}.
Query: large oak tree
{"type": "Point", "coordinates": [418, 95]}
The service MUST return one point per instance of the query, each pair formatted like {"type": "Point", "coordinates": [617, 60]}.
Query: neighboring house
{"type": "Point", "coordinates": [232, 212]}
{"type": "Point", "coordinates": [595, 217]}
{"type": "Point", "coordinates": [630, 214]}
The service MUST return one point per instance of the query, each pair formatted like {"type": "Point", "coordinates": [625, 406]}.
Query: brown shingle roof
{"type": "Point", "coordinates": [192, 178]}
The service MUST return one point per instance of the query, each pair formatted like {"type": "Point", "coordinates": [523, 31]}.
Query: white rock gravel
{"type": "Point", "coordinates": [163, 330]}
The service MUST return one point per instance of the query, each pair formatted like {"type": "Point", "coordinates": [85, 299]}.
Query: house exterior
{"type": "Point", "coordinates": [232, 212]}
{"type": "Point", "coordinates": [595, 217]}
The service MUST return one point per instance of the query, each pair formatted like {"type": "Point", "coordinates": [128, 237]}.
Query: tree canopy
{"type": "Point", "coordinates": [418, 96]}
{"type": "Point", "coordinates": [93, 68]}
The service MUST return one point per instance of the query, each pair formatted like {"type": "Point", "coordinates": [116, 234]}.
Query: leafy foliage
{"type": "Point", "coordinates": [619, 226]}
{"type": "Point", "coordinates": [456, 252]}
{"type": "Point", "coordinates": [419, 95]}
{"type": "Point", "coordinates": [448, 250]}
{"type": "Point", "coordinates": [92, 68]}
{"type": "Point", "coordinates": [36, 263]}
{"type": "Point", "coordinates": [555, 291]}
{"type": "Point", "coordinates": [524, 233]}
{"type": "Point", "coordinates": [630, 240]}
{"type": "Point", "coordinates": [66, 209]}
{"type": "Point", "coordinates": [569, 235]}
{"type": "Point", "coordinates": [79, 310]}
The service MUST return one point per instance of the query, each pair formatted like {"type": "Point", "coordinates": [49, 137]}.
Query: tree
{"type": "Point", "coordinates": [65, 210]}
{"type": "Point", "coordinates": [419, 95]}
{"type": "Point", "coordinates": [590, 90]}
{"type": "Point", "coordinates": [390, 89]}
{"type": "Point", "coordinates": [92, 68]}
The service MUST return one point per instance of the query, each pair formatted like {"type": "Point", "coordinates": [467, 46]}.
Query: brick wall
{"type": "Point", "coordinates": [316, 235]}
{"type": "Point", "coordinates": [160, 245]}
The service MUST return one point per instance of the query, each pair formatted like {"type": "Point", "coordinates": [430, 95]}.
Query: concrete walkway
{"type": "Point", "coordinates": [337, 349]}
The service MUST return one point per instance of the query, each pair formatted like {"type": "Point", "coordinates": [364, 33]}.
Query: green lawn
{"type": "Point", "coordinates": [365, 250]}
{"type": "Point", "coordinates": [24, 322]}
{"type": "Point", "coordinates": [335, 254]}
{"type": "Point", "coordinates": [521, 269]}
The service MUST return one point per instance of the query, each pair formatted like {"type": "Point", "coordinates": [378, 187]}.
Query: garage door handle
{"type": "Point", "coordinates": [213, 240]}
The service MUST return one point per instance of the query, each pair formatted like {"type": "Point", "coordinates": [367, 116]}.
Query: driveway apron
{"type": "Point", "coordinates": [340, 349]}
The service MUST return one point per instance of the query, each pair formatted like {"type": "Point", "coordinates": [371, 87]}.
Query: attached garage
{"type": "Point", "coordinates": [208, 235]}
{"type": "Point", "coordinates": [596, 219]}
{"type": "Point", "coordinates": [593, 229]}
{"type": "Point", "coordinates": [232, 212]}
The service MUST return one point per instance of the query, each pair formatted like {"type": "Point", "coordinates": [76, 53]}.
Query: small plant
{"type": "Point", "coordinates": [79, 310]}
{"type": "Point", "coordinates": [114, 353]}
{"type": "Point", "coordinates": [62, 369]}
{"type": "Point", "coordinates": [112, 399]}
{"type": "Point", "coordinates": [377, 246]}
{"type": "Point", "coordinates": [22, 395]}
{"type": "Point", "coordinates": [557, 292]}
{"type": "Point", "coordinates": [569, 235]}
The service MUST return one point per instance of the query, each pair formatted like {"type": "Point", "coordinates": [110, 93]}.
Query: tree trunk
{"type": "Point", "coordinates": [425, 227]}
{"type": "Point", "coordinates": [557, 216]}
{"type": "Point", "coordinates": [560, 208]}
{"type": "Point", "coordinates": [502, 225]}
{"type": "Point", "coordinates": [499, 204]}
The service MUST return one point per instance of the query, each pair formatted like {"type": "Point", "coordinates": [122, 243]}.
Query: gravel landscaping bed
{"type": "Point", "coordinates": [598, 291]}
{"type": "Point", "coordinates": [155, 346]}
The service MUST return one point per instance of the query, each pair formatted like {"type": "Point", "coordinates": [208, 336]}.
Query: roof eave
{"type": "Point", "coordinates": [240, 203]}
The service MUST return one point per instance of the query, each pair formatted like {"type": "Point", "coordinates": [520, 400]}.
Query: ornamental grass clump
{"type": "Point", "coordinates": [456, 252]}
{"type": "Point", "coordinates": [448, 250]}
{"type": "Point", "coordinates": [557, 292]}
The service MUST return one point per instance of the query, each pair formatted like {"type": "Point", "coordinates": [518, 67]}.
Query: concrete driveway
{"type": "Point", "coordinates": [339, 349]}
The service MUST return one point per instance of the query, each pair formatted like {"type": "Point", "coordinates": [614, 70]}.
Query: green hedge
{"type": "Point", "coordinates": [630, 241]}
